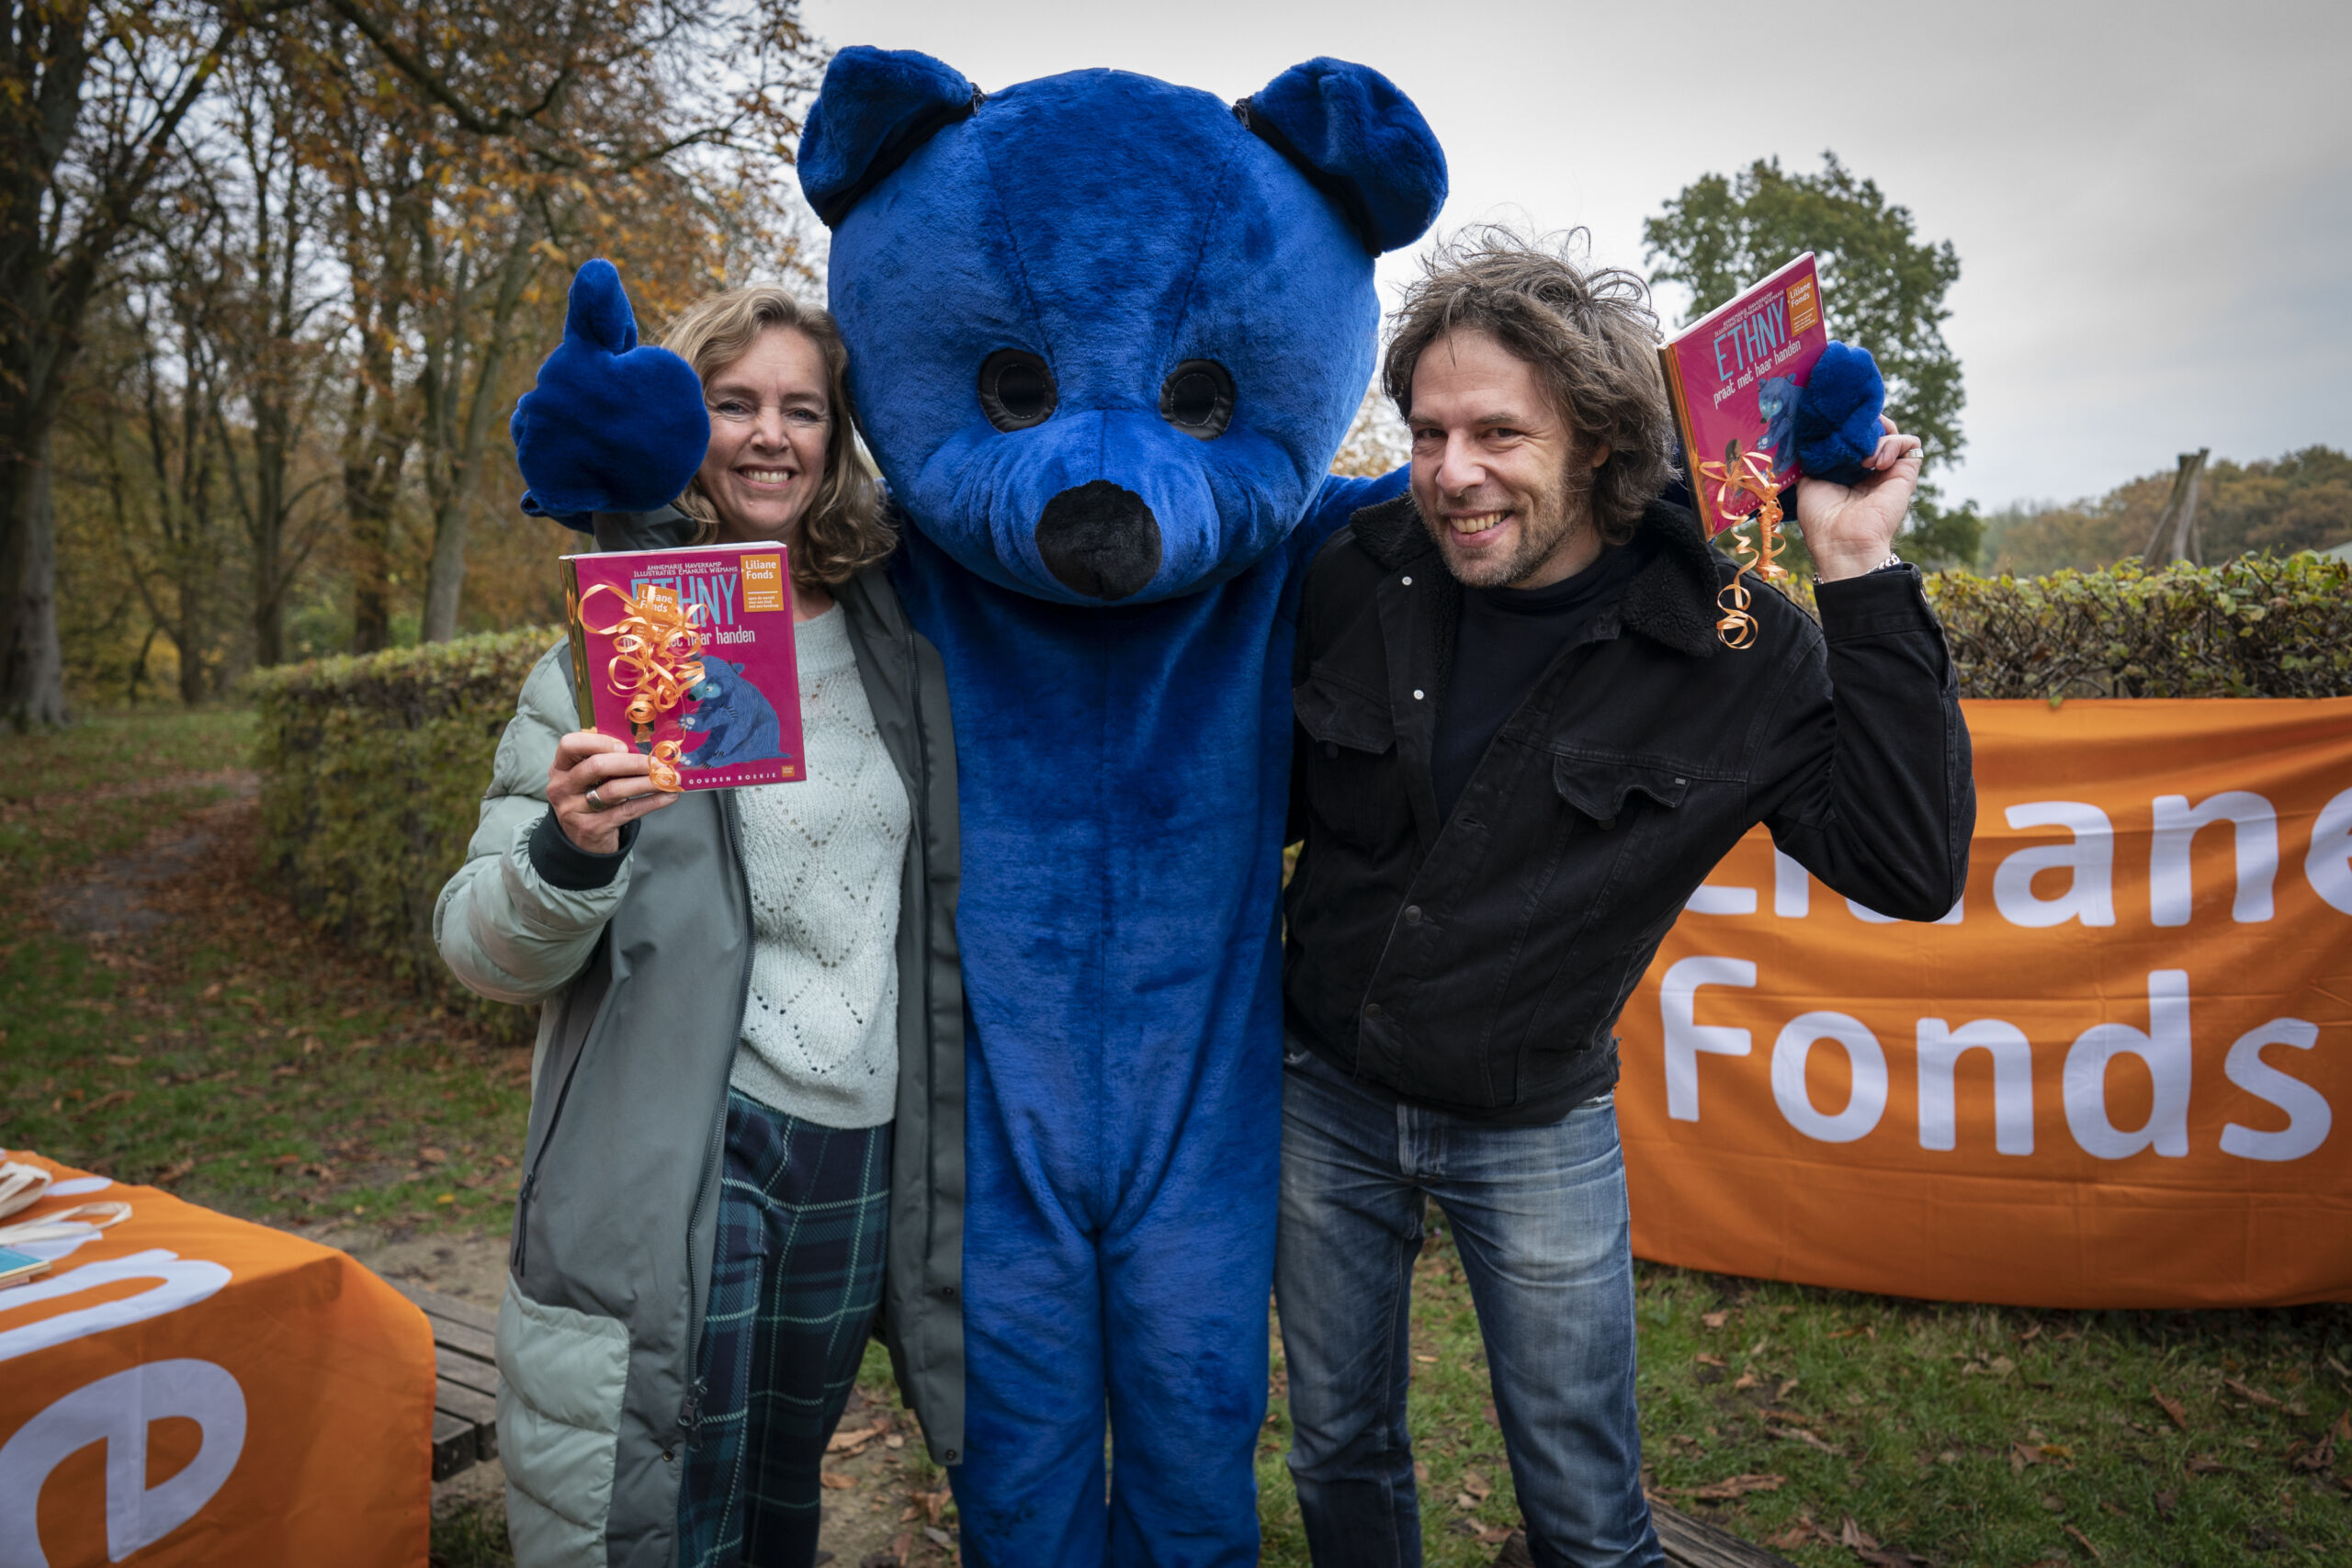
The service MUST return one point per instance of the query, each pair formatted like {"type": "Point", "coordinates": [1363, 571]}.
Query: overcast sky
{"type": "Point", "coordinates": [2152, 202]}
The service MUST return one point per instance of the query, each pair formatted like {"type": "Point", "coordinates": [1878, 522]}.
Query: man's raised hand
{"type": "Point", "coordinates": [1851, 529]}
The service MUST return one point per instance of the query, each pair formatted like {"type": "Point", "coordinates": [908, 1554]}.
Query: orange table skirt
{"type": "Point", "coordinates": [187, 1388]}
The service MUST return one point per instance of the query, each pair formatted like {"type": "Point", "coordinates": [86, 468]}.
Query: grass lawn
{"type": "Point", "coordinates": [1948, 1434]}
{"type": "Point", "coordinates": [233, 1056]}
{"type": "Point", "coordinates": [253, 1066]}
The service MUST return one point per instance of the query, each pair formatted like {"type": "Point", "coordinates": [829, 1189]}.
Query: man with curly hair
{"type": "Point", "coordinates": [1522, 746]}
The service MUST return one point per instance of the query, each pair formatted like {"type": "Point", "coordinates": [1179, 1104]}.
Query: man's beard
{"type": "Point", "coordinates": [1554, 517]}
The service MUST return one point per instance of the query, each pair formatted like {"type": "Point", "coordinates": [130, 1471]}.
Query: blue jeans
{"type": "Point", "coordinates": [1539, 1216]}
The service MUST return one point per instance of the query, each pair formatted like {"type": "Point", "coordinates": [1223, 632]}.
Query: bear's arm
{"type": "Point", "coordinates": [1340, 499]}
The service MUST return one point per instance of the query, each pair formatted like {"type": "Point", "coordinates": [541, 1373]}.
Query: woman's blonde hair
{"type": "Point", "coordinates": [844, 530]}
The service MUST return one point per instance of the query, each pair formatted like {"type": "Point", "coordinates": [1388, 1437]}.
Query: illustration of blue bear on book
{"type": "Point", "coordinates": [1776, 399]}
{"type": "Point", "coordinates": [737, 724]}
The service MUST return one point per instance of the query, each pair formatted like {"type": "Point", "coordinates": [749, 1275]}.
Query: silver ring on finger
{"type": "Point", "coordinates": [597, 802]}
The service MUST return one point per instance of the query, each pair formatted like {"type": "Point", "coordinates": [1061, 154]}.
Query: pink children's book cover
{"type": "Point", "coordinates": [1732, 376]}
{"type": "Point", "coordinates": [686, 654]}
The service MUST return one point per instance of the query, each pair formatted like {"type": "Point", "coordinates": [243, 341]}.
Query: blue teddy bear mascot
{"type": "Point", "coordinates": [1105, 335]}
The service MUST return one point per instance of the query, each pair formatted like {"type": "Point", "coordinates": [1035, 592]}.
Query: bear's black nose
{"type": "Point", "coordinates": [1100, 539]}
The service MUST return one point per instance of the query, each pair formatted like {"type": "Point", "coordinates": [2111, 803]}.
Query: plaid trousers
{"type": "Point", "coordinates": [803, 1216]}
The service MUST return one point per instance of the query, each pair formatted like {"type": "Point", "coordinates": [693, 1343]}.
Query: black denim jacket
{"type": "Point", "coordinates": [1477, 965]}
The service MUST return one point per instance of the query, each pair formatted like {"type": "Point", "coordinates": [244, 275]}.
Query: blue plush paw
{"type": "Point", "coordinates": [611, 426]}
{"type": "Point", "coordinates": [1836, 417]}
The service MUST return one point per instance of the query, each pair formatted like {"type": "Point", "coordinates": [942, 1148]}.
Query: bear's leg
{"type": "Point", "coordinates": [1029, 1489]}
{"type": "Point", "coordinates": [1185, 1289]}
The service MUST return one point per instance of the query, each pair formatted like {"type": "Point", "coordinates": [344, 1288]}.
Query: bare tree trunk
{"type": "Point", "coordinates": [445, 581]}
{"type": "Point", "coordinates": [444, 586]}
{"type": "Point", "coordinates": [32, 668]}
{"type": "Point", "coordinates": [374, 452]}
{"type": "Point", "coordinates": [369, 508]}
{"type": "Point", "coordinates": [268, 536]}
{"type": "Point", "coordinates": [2175, 536]}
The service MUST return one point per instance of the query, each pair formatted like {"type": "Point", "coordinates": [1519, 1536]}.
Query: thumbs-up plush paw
{"type": "Point", "coordinates": [611, 426]}
{"type": "Point", "coordinates": [1837, 419]}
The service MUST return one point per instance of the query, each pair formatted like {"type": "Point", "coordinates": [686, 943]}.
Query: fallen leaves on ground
{"type": "Point", "coordinates": [853, 1443]}
{"type": "Point", "coordinates": [1798, 1435]}
{"type": "Point", "coordinates": [1802, 1531]}
{"type": "Point", "coordinates": [1864, 1545]}
{"type": "Point", "coordinates": [2251, 1395]}
{"type": "Point", "coordinates": [2322, 1455]}
{"type": "Point", "coordinates": [2171, 1407]}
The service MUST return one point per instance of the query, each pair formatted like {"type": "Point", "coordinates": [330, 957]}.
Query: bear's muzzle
{"type": "Point", "coordinates": [1100, 539]}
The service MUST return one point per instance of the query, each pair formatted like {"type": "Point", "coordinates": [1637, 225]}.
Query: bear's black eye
{"type": "Point", "coordinates": [1016, 390]}
{"type": "Point", "coordinates": [1197, 399]}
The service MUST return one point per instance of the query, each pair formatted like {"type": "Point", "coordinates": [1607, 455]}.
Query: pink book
{"type": "Point", "coordinates": [686, 654]}
{"type": "Point", "coordinates": [1733, 377]}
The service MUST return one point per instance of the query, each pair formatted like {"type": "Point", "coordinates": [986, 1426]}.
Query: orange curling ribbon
{"type": "Point", "coordinates": [654, 666]}
{"type": "Point", "coordinates": [1741, 474]}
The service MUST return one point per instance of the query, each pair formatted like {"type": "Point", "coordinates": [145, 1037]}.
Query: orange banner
{"type": "Point", "coordinates": [2107, 1078]}
{"type": "Point", "coordinates": [187, 1388]}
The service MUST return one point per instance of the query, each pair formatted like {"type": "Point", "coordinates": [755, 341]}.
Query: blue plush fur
{"type": "Point", "coordinates": [1123, 767]}
{"type": "Point", "coordinates": [736, 722]}
{"type": "Point", "coordinates": [597, 384]}
{"type": "Point", "coordinates": [1837, 423]}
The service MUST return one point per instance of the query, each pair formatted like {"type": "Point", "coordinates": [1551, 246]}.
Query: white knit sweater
{"type": "Point", "coordinates": [823, 858]}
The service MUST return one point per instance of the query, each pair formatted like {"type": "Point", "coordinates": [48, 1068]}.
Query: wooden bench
{"type": "Point", "coordinates": [465, 1393]}
{"type": "Point", "coordinates": [1691, 1543]}
{"type": "Point", "coordinates": [1687, 1543]}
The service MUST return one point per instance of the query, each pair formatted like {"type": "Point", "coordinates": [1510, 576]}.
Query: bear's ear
{"type": "Point", "coordinates": [1361, 142]}
{"type": "Point", "coordinates": [877, 106]}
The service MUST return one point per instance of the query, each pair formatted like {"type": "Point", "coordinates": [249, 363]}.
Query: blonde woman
{"type": "Point", "coordinates": [747, 1104]}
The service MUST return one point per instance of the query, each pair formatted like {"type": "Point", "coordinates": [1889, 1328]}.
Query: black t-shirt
{"type": "Point", "coordinates": [1508, 636]}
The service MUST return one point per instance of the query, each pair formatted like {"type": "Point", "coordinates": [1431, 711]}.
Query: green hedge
{"type": "Point", "coordinates": [2255, 627]}
{"type": "Point", "coordinates": [372, 769]}
{"type": "Point", "coordinates": [372, 773]}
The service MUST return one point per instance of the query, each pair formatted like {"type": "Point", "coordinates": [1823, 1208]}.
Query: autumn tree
{"type": "Point", "coordinates": [92, 96]}
{"type": "Point", "coordinates": [264, 378]}
{"type": "Point", "coordinates": [348, 224]}
{"type": "Point", "coordinates": [506, 144]}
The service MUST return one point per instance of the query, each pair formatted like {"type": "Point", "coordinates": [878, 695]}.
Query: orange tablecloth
{"type": "Point", "coordinates": [2107, 1079]}
{"type": "Point", "coordinates": [187, 1388]}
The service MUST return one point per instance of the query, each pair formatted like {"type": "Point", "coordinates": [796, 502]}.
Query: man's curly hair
{"type": "Point", "coordinates": [1588, 333]}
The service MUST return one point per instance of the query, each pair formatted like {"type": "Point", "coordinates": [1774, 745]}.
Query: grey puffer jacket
{"type": "Point", "coordinates": [642, 985]}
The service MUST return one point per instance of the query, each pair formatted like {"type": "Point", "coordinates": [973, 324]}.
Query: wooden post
{"type": "Point", "coordinates": [2175, 536]}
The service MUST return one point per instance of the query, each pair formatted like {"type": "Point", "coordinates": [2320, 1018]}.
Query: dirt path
{"type": "Point", "coordinates": [110, 900]}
